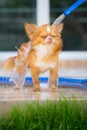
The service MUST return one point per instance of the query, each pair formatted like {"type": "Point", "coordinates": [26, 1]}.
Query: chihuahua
{"type": "Point", "coordinates": [40, 55]}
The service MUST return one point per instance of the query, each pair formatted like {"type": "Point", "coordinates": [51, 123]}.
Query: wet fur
{"type": "Point", "coordinates": [46, 44]}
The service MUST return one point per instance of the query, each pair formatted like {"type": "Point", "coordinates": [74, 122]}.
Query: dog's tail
{"type": "Point", "coordinates": [9, 64]}
{"type": "Point", "coordinates": [16, 64]}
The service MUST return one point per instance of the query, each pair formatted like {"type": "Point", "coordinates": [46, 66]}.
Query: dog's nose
{"type": "Point", "coordinates": [49, 39]}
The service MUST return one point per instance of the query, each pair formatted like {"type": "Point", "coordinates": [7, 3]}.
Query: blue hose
{"type": "Point", "coordinates": [73, 7]}
{"type": "Point", "coordinates": [68, 11]}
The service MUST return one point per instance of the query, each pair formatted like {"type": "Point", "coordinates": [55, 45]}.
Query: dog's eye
{"type": "Point", "coordinates": [54, 36]}
{"type": "Point", "coordinates": [43, 37]}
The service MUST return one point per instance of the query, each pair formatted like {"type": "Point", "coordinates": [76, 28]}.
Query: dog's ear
{"type": "Point", "coordinates": [59, 27]}
{"type": "Point", "coordinates": [29, 29]}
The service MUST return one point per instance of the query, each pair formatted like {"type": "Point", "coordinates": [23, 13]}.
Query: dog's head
{"type": "Point", "coordinates": [45, 34]}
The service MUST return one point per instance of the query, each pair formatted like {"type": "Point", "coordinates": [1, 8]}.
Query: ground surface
{"type": "Point", "coordinates": [9, 94]}
{"type": "Point", "coordinates": [68, 68]}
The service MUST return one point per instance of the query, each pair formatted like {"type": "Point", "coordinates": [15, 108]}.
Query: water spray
{"type": "Point", "coordinates": [68, 11]}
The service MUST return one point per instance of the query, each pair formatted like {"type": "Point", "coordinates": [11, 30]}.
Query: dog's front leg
{"type": "Point", "coordinates": [53, 78]}
{"type": "Point", "coordinates": [35, 74]}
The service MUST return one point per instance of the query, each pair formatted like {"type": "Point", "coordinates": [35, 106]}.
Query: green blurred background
{"type": "Point", "coordinates": [14, 13]}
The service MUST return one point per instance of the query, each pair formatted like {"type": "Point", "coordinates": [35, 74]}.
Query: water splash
{"type": "Point", "coordinates": [21, 67]}
{"type": "Point", "coordinates": [18, 76]}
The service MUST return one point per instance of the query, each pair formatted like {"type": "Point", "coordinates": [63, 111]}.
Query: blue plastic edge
{"type": "Point", "coordinates": [60, 81]}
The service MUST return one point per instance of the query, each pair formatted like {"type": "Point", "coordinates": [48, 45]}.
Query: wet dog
{"type": "Point", "coordinates": [40, 55]}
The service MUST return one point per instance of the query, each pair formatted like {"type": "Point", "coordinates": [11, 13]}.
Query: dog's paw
{"type": "Point", "coordinates": [37, 89]}
{"type": "Point", "coordinates": [16, 88]}
{"type": "Point", "coordinates": [53, 89]}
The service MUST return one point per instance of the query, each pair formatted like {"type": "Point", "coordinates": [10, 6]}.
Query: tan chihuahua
{"type": "Point", "coordinates": [40, 55]}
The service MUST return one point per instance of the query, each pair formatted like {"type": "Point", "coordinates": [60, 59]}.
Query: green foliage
{"type": "Point", "coordinates": [50, 115]}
